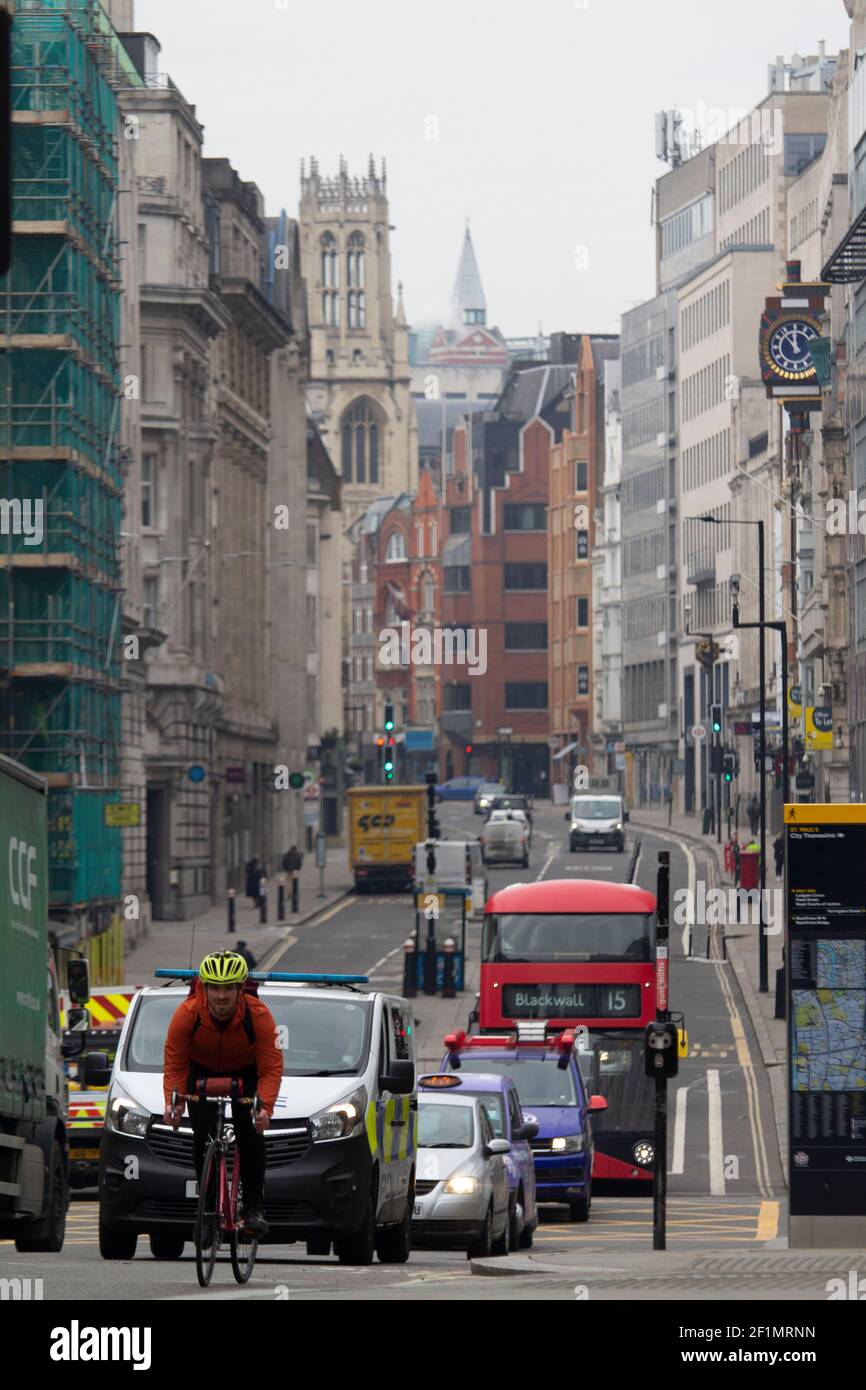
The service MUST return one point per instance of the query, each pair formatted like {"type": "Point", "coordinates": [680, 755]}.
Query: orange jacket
{"type": "Point", "coordinates": [223, 1050]}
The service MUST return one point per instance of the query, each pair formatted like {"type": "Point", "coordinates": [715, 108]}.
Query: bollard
{"type": "Point", "coordinates": [448, 949]}
{"type": "Point", "coordinates": [263, 901]}
{"type": "Point", "coordinates": [231, 905]}
{"type": "Point", "coordinates": [281, 898]}
{"type": "Point", "coordinates": [296, 884]}
{"type": "Point", "coordinates": [410, 967]}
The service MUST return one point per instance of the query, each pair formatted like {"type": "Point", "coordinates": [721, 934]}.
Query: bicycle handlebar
{"type": "Point", "coordinates": [223, 1094]}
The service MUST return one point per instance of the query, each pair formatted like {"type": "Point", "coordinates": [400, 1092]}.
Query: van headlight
{"type": "Point", "coordinates": [568, 1144]}
{"type": "Point", "coordinates": [619, 825]}
{"type": "Point", "coordinates": [125, 1116]}
{"type": "Point", "coordinates": [574, 825]}
{"type": "Point", "coordinates": [342, 1120]}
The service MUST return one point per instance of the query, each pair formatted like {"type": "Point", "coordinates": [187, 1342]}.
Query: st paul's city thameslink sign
{"type": "Point", "coordinates": [826, 995]}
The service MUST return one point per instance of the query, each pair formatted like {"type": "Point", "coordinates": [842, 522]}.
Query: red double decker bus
{"type": "Point", "coordinates": [582, 952]}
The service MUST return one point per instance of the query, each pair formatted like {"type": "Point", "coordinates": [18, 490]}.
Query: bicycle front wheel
{"type": "Point", "coordinates": [243, 1247]}
{"type": "Point", "coordinates": [207, 1224]}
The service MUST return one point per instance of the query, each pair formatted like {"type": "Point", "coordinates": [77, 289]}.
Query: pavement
{"type": "Point", "coordinates": [181, 944]}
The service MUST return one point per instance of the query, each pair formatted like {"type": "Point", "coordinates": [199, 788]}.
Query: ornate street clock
{"type": "Point", "coordinates": [790, 324]}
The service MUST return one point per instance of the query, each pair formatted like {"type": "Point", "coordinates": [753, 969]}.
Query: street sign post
{"type": "Point", "coordinates": [825, 950]}
{"type": "Point", "coordinates": [660, 1162]}
{"type": "Point", "coordinates": [699, 731]}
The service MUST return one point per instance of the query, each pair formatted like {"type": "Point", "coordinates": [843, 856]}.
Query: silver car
{"type": "Point", "coordinates": [461, 1185]}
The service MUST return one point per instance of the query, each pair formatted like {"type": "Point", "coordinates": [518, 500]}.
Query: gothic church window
{"type": "Point", "coordinates": [360, 444]}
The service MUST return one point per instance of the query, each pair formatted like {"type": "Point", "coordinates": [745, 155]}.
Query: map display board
{"type": "Point", "coordinates": [826, 983]}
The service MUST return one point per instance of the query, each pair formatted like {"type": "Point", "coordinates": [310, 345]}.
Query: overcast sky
{"type": "Point", "coordinates": [542, 114]}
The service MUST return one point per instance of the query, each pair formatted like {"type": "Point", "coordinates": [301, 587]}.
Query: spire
{"type": "Point", "coordinates": [400, 320]}
{"type": "Point", "coordinates": [468, 302]}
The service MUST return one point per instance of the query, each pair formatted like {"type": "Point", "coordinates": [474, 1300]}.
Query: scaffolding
{"type": "Point", "coordinates": [61, 485]}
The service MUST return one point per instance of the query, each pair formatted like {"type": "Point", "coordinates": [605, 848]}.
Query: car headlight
{"type": "Point", "coordinates": [619, 825]}
{"type": "Point", "coordinates": [125, 1116]}
{"type": "Point", "coordinates": [568, 1144]}
{"type": "Point", "coordinates": [461, 1186]}
{"type": "Point", "coordinates": [343, 1119]}
{"type": "Point", "coordinates": [644, 1153]}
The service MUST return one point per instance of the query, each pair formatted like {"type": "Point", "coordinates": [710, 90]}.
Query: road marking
{"type": "Point", "coordinates": [679, 1156]}
{"type": "Point", "coordinates": [373, 968]}
{"type": "Point", "coordinates": [717, 1157]}
{"type": "Point", "coordinates": [551, 855]}
{"type": "Point", "coordinates": [768, 1221]}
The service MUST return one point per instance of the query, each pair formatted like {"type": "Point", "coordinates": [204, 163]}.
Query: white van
{"type": "Point", "coordinates": [339, 1151]}
{"type": "Point", "coordinates": [458, 865]}
{"type": "Point", "coordinates": [596, 818]}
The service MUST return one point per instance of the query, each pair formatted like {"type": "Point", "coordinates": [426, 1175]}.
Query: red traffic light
{"type": "Point", "coordinates": [469, 748]}
{"type": "Point", "coordinates": [392, 741]}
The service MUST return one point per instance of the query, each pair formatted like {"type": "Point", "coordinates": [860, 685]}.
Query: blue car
{"type": "Point", "coordinates": [459, 789]}
{"type": "Point", "coordinates": [501, 1102]}
{"type": "Point", "coordinates": [553, 1096]}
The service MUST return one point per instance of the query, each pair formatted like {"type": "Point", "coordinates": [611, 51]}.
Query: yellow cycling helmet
{"type": "Point", "coordinates": [223, 968]}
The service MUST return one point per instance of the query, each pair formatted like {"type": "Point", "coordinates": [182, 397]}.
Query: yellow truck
{"type": "Point", "coordinates": [385, 824]}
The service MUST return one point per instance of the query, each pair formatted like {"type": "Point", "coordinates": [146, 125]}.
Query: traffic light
{"type": "Point", "coordinates": [389, 768]}
{"type": "Point", "coordinates": [661, 1049]}
{"type": "Point", "coordinates": [468, 749]}
{"type": "Point", "coordinates": [389, 719]}
{"type": "Point", "coordinates": [729, 767]}
{"type": "Point", "coordinates": [380, 742]}
{"type": "Point", "coordinates": [716, 718]}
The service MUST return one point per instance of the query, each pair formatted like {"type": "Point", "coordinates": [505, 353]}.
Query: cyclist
{"type": "Point", "coordinates": [221, 1030]}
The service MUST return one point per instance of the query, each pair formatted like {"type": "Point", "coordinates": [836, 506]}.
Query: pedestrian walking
{"type": "Point", "coordinates": [243, 950]}
{"type": "Point", "coordinates": [753, 813]}
{"type": "Point", "coordinates": [779, 852]}
{"type": "Point", "coordinates": [255, 873]}
{"type": "Point", "coordinates": [292, 861]}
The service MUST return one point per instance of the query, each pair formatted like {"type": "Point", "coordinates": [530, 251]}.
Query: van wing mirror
{"type": "Point", "coordinates": [95, 1069]}
{"type": "Point", "coordinates": [596, 1103]}
{"type": "Point", "coordinates": [400, 1080]}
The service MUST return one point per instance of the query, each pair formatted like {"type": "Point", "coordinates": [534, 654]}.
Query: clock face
{"type": "Point", "coordinates": [788, 348]}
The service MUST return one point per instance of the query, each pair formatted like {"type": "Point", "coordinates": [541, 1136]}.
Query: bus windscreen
{"type": "Point", "coordinates": [513, 938]}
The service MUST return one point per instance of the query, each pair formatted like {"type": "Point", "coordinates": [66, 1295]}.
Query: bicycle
{"type": "Point", "coordinates": [220, 1186]}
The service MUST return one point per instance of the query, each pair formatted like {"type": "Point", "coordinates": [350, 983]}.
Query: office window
{"type": "Point", "coordinates": [526, 695]}
{"type": "Point", "coordinates": [583, 680]}
{"type": "Point", "coordinates": [581, 617]}
{"type": "Point", "coordinates": [580, 475]}
{"type": "Point", "coordinates": [396, 550]}
{"type": "Point", "coordinates": [529, 516]}
{"type": "Point", "coordinates": [526, 576]}
{"type": "Point", "coordinates": [457, 579]}
{"type": "Point", "coordinates": [311, 543]}
{"type": "Point", "coordinates": [460, 521]}
{"type": "Point", "coordinates": [150, 602]}
{"type": "Point", "coordinates": [525, 637]}
{"type": "Point", "coordinates": [581, 545]}
{"type": "Point", "coordinates": [456, 695]}
{"type": "Point", "coordinates": [148, 489]}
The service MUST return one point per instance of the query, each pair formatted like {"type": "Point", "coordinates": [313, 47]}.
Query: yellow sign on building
{"type": "Point", "coordinates": [123, 813]}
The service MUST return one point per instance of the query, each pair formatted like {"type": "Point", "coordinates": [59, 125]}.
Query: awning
{"type": "Point", "coordinates": [847, 264]}
{"type": "Point", "coordinates": [562, 752]}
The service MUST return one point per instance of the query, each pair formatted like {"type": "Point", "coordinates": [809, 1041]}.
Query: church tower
{"type": "Point", "coordinates": [359, 374]}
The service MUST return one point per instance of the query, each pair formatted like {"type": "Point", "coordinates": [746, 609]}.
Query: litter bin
{"type": "Point", "coordinates": [749, 860]}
